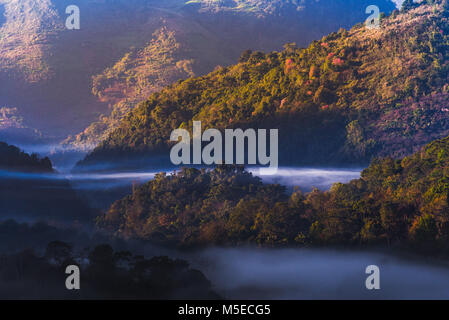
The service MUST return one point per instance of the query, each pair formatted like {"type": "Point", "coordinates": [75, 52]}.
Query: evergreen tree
{"type": "Point", "coordinates": [408, 5]}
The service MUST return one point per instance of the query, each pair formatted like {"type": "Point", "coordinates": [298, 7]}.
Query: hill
{"type": "Point", "coordinates": [47, 69]}
{"type": "Point", "coordinates": [395, 202]}
{"type": "Point", "coordinates": [348, 97]}
{"type": "Point", "coordinates": [13, 159]}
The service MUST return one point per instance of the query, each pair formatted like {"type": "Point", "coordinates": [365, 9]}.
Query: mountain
{"type": "Point", "coordinates": [14, 129]}
{"type": "Point", "coordinates": [348, 97]}
{"type": "Point", "coordinates": [47, 69]}
{"type": "Point", "coordinates": [138, 74]}
{"type": "Point", "coordinates": [395, 202]}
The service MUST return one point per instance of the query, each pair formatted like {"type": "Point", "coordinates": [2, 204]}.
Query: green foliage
{"type": "Point", "coordinates": [346, 78]}
{"type": "Point", "coordinates": [193, 206]}
{"type": "Point", "coordinates": [395, 201]}
{"type": "Point", "coordinates": [424, 229]}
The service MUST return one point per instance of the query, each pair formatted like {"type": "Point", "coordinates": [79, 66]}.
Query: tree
{"type": "Point", "coordinates": [392, 221]}
{"type": "Point", "coordinates": [408, 5]}
{"type": "Point", "coordinates": [245, 56]}
{"type": "Point", "coordinates": [424, 229]}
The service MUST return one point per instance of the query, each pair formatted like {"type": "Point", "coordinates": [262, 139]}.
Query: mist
{"type": "Point", "coordinates": [243, 273]}
{"type": "Point", "coordinates": [308, 178]}
{"type": "Point", "coordinates": [254, 273]}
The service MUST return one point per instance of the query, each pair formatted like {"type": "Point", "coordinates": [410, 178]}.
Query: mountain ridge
{"type": "Point", "coordinates": [47, 69]}
{"type": "Point", "coordinates": [338, 88]}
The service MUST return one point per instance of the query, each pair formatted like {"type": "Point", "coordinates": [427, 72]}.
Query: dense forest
{"type": "Point", "coordinates": [394, 202]}
{"type": "Point", "coordinates": [105, 274]}
{"type": "Point", "coordinates": [177, 51]}
{"type": "Point", "coordinates": [374, 96]}
{"type": "Point", "coordinates": [12, 158]}
{"type": "Point", "coordinates": [37, 53]}
{"type": "Point", "coordinates": [348, 97]}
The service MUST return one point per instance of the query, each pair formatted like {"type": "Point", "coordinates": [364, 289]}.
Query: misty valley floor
{"type": "Point", "coordinates": [254, 273]}
{"type": "Point", "coordinates": [291, 274]}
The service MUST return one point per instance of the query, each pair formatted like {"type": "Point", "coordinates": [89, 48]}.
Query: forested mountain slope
{"type": "Point", "coordinates": [402, 202]}
{"type": "Point", "coordinates": [348, 97]}
{"type": "Point", "coordinates": [48, 69]}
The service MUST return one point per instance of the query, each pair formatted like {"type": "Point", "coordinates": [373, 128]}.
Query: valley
{"type": "Point", "coordinates": [359, 126]}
